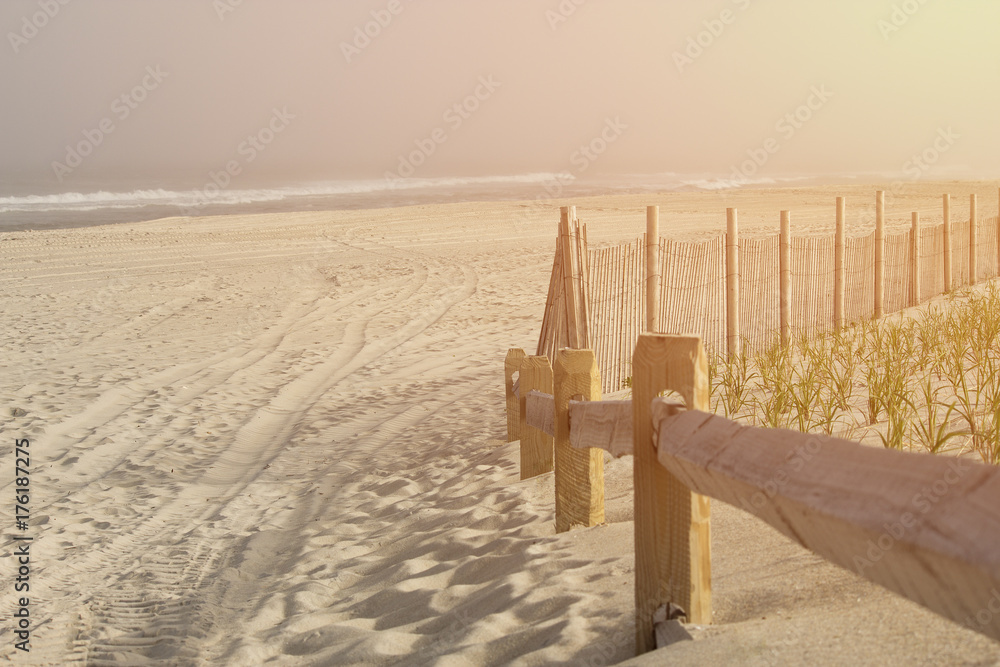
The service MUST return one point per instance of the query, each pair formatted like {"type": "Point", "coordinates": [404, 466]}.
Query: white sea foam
{"type": "Point", "coordinates": [89, 201]}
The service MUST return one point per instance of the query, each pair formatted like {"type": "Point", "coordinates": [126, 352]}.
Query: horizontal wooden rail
{"type": "Point", "coordinates": [603, 425]}
{"type": "Point", "coordinates": [540, 411]}
{"type": "Point", "coordinates": [924, 526]}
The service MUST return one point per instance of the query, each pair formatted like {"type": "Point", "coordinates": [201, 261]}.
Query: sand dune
{"type": "Point", "coordinates": [278, 440]}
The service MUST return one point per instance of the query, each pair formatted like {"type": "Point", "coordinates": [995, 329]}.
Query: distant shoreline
{"type": "Point", "coordinates": [530, 193]}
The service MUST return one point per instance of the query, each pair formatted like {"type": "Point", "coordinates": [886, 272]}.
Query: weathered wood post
{"type": "Point", "coordinates": [973, 238]}
{"type": "Point", "coordinates": [946, 200]}
{"type": "Point", "coordinates": [839, 268]}
{"type": "Point", "coordinates": [512, 365]}
{"type": "Point", "coordinates": [570, 269]}
{"type": "Point", "coordinates": [879, 254]}
{"type": "Point", "coordinates": [998, 239]}
{"type": "Point", "coordinates": [733, 342]}
{"type": "Point", "coordinates": [652, 268]}
{"type": "Point", "coordinates": [579, 472]}
{"type": "Point", "coordinates": [672, 531]}
{"type": "Point", "coordinates": [785, 261]}
{"type": "Point", "coordinates": [583, 277]}
{"type": "Point", "coordinates": [536, 446]}
{"type": "Point", "coordinates": [915, 260]}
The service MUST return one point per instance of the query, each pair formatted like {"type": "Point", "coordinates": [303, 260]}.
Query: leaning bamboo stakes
{"type": "Point", "coordinates": [567, 319]}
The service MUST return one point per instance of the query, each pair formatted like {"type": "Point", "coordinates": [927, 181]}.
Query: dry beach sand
{"type": "Point", "coordinates": [278, 439]}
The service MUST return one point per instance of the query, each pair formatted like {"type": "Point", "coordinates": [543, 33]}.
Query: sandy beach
{"type": "Point", "coordinates": [279, 439]}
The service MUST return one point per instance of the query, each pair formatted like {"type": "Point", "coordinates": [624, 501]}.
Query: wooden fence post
{"type": "Point", "coordinates": [915, 260]}
{"type": "Point", "coordinates": [998, 237]}
{"type": "Point", "coordinates": [733, 342]}
{"type": "Point", "coordinates": [879, 254]}
{"type": "Point", "coordinates": [785, 261]}
{"type": "Point", "coordinates": [973, 238]}
{"type": "Point", "coordinates": [536, 446]}
{"type": "Point", "coordinates": [579, 472]}
{"type": "Point", "coordinates": [583, 272]}
{"type": "Point", "coordinates": [652, 268]}
{"type": "Point", "coordinates": [569, 273]}
{"type": "Point", "coordinates": [511, 365]}
{"type": "Point", "coordinates": [946, 200]}
{"type": "Point", "coordinates": [672, 531]}
{"type": "Point", "coordinates": [838, 267]}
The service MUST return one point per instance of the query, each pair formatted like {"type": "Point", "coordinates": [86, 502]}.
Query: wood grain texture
{"type": "Point", "coordinates": [605, 425]}
{"type": "Point", "coordinates": [879, 254]}
{"type": "Point", "coordinates": [839, 274]}
{"type": "Point", "coordinates": [915, 259]}
{"type": "Point", "coordinates": [973, 241]}
{"type": "Point", "coordinates": [733, 342]}
{"type": "Point", "coordinates": [540, 410]}
{"type": "Point", "coordinates": [570, 268]}
{"type": "Point", "coordinates": [579, 472]}
{"type": "Point", "coordinates": [785, 271]}
{"type": "Point", "coordinates": [924, 526]}
{"type": "Point", "coordinates": [946, 205]}
{"type": "Point", "coordinates": [512, 366]}
{"type": "Point", "coordinates": [652, 268]}
{"type": "Point", "coordinates": [672, 533]}
{"type": "Point", "coordinates": [536, 446]}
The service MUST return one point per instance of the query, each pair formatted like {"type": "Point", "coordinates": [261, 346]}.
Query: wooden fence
{"type": "Point", "coordinates": [741, 294]}
{"type": "Point", "coordinates": [854, 505]}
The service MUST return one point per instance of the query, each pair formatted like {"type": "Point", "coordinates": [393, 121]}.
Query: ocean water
{"type": "Point", "coordinates": [105, 204]}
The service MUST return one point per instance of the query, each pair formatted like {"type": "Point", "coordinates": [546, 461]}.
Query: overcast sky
{"type": "Point", "coordinates": [158, 89]}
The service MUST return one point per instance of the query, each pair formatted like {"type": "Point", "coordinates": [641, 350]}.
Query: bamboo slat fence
{"type": "Point", "coordinates": [600, 298]}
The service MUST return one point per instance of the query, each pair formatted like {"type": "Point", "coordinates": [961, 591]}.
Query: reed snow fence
{"type": "Point", "coordinates": [924, 526]}
{"type": "Point", "coordinates": [741, 294]}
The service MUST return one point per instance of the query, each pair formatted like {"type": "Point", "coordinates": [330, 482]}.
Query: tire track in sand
{"type": "Point", "coordinates": [149, 610]}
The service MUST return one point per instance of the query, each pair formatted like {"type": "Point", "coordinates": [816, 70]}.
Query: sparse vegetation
{"type": "Point", "coordinates": [927, 380]}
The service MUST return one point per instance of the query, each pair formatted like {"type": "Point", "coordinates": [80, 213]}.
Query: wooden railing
{"type": "Point", "coordinates": [924, 526]}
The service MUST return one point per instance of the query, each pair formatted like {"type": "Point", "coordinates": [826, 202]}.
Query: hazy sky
{"type": "Point", "coordinates": [650, 86]}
